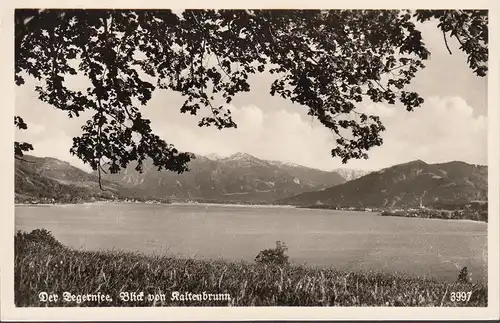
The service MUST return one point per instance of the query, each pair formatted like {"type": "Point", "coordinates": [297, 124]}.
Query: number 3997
{"type": "Point", "coordinates": [460, 296]}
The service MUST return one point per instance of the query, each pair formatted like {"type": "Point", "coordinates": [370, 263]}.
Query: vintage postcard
{"type": "Point", "coordinates": [236, 161]}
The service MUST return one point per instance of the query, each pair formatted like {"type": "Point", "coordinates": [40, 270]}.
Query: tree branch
{"type": "Point", "coordinates": [380, 85]}
{"type": "Point", "coordinates": [100, 179]}
{"type": "Point", "coordinates": [446, 43]}
{"type": "Point", "coordinates": [459, 40]}
{"type": "Point", "coordinates": [99, 88]}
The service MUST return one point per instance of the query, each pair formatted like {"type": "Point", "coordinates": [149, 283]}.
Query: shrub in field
{"type": "Point", "coordinates": [38, 236]}
{"type": "Point", "coordinates": [276, 256]}
{"type": "Point", "coordinates": [463, 277]}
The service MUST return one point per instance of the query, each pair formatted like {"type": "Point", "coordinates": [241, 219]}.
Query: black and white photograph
{"type": "Point", "coordinates": [274, 158]}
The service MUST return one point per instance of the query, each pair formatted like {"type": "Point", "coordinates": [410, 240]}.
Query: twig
{"type": "Point", "coordinates": [218, 62]}
{"type": "Point", "coordinates": [459, 40]}
{"type": "Point", "coordinates": [446, 43]}
{"type": "Point", "coordinates": [100, 179]}
{"type": "Point", "coordinates": [382, 87]}
{"type": "Point", "coordinates": [395, 68]}
{"type": "Point", "coordinates": [96, 84]}
{"type": "Point", "coordinates": [102, 169]}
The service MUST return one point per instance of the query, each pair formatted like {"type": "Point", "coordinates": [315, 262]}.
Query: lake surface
{"type": "Point", "coordinates": [346, 240]}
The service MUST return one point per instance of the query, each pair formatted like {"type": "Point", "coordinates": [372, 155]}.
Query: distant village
{"type": "Point", "coordinates": [472, 211]}
{"type": "Point", "coordinates": [475, 210]}
{"type": "Point", "coordinates": [93, 199]}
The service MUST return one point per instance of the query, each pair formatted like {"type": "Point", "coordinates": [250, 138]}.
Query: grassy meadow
{"type": "Point", "coordinates": [43, 264]}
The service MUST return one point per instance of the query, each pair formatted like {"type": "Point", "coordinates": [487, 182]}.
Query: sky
{"type": "Point", "coordinates": [450, 125]}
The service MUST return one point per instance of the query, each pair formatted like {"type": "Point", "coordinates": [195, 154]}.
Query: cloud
{"type": "Point", "coordinates": [274, 134]}
{"type": "Point", "coordinates": [442, 130]}
{"type": "Point", "coordinates": [37, 129]}
{"type": "Point", "coordinates": [57, 145]}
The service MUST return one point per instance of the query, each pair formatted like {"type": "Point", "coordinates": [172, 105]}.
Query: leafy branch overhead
{"type": "Point", "coordinates": [21, 147]}
{"type": "Point", "coordinates": [327, 61]}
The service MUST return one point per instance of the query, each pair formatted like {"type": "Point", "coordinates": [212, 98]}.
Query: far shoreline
{"type": "Point", "coordinates": [242, 205]}
{"type": "Point", "coordinates": [172, 203]}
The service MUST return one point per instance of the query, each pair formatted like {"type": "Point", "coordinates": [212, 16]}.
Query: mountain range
{"type": "Point", "coordinates": [50, 178]}
{"type": "Point", "coordinates": [239, 177]}
{"type": "Point", "coordinates": [412, 184]}
{"type": "Point", "coordinates": [243, 178]}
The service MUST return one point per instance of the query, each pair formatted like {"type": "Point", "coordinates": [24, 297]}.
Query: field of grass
{"type": "Point", "coordinates": [42, 264]}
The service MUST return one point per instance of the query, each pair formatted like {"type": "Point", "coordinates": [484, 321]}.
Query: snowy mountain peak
{"type": "Point", "coordinates": [244, 159]}
{"type": "Point", "coordinates": [214, 156]}
{"type": "Point", "coordinates": [281, 163]}
{"type": "Point", "coordinates": [241, 156]}
{"type": "Point", "coordinates": [291, 164]}
{"type": "Point", "coordinates": [351, 174]}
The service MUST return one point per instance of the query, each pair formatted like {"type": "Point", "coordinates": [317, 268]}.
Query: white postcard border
{"type": "Point", "coordinates": [7, 228]}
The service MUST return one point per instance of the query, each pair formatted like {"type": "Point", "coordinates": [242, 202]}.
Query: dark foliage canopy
{"type": "Point", "coordinates": [327, 61]}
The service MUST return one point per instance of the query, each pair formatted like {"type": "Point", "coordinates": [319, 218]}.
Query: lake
{"type": "Point", "coordinates": [346, 240]}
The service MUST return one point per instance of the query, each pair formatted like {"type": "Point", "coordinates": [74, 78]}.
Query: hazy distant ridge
{"type": "Point", "coordinates": [241, 177]}
{"type": "Point", "coordinates": [44, 179]}
{"type": "Point", "coordinates": [405, 185]}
